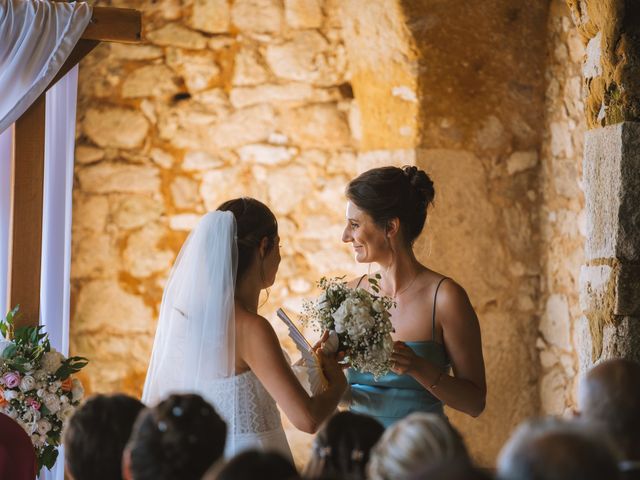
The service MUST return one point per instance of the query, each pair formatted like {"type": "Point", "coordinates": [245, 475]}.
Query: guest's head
{"type": "Point", "coordinates": [387, 209]}
{"type": "Point", "coordinates": [609, 396]}
{"type": "Point", "coordinates": [450, 470]}
{"type": "Point", "coordinates": [553, 449]}
{"type": "Point", "coordinates": [17, 456]}
{"type": "Point", "coordinates": [181, 437]}
{"type": "Point", "coordinates": [342, 447]}
{"type": "Point", "coordinates": [417, 441]}
{"type": "Point", "coordinates": [253, 464]}
{"type": "Point", "coordinates": [96, 435]}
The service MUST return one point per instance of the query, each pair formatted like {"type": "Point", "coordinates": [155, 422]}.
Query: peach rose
{"type": "Point", "coordinates": [67, 384]}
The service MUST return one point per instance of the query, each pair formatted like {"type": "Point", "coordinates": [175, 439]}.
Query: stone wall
{"type": "Point", "coordinates": [286, 100]}
{"type": "Point", "coordinates": [249, 97]}
{"type": "Point", "coordinates": [562, 216]}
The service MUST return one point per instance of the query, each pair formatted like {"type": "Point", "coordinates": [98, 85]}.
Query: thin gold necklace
{"type": "Point", "coordinates": [397, 294]}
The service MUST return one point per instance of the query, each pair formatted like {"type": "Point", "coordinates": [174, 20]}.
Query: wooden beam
{"type": "Point", "coordinates": [28, 184]}
{"type": "Point", "coordinates": [82, 48]}
{"type": "Point", "coordinates": [114, 25]}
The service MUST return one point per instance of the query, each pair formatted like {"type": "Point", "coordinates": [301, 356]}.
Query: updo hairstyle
{"type": "Point", "coordinates": [181, 438]}
{"type": "Point", "coordinates": [391, 192]}
{"type": "Point", "coordinates": [254, 222]}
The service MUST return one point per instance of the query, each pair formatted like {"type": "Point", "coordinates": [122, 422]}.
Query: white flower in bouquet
{"type": "Point", "coordinates": [77, 391]}
{"type": "Point", "coordinates": [28, 383]}
{"type": "Point", "coordinates": [44, 426]}
{"type": "Point", "coordinates": [64, 399]}
{"type": "Point", "coordinates": [40, 375]}
{"type": "Point", "coordinates": [65, 412]}
{"type": "Point", "coordinates": [41, 392]}
{"type": "Point", "coordinates": [51, 361]}
{"type": "Point", "coordinates": [361, 320]}
{"type": "Point", "coordinates": [52, 402]}
{"type": "Point", "coordinates": [11, 412]}
{"type": "Point", "coordinates": [10, 395]}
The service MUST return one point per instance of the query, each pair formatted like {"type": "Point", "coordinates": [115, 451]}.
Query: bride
{"type": "Point", "coordinates": [211, 340]}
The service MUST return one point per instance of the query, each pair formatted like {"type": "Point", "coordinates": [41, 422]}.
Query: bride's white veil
{"type": "Point", "coordinates": [194, 347]}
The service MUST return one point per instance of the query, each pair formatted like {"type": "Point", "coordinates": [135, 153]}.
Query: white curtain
{"type": "Point", "coordinates": [59, 140]}
{"type": "Point", "coordinates": [6, 153]}
{"type": "Point", "coordinates": [36, 37]}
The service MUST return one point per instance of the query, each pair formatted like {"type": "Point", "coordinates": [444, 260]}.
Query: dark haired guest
{"type": "Point", "coordinates": [96, 435]}
{"type": "Point", "coordinates": [181, 437]}
{"type": "Point", "coordinates": [435, 325]}
{"type": "Point", "coordinates": [342, 447]}
{"type": "Point", "coordinates": [254, 464]}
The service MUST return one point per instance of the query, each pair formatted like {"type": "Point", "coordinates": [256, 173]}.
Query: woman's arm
{"type": "Point", "coordinates": [466, 390]}
{"type": "Point", "coordinates": [261, 350]}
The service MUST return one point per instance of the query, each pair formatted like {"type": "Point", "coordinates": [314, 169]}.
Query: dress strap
{"type": "Point", "coordinates": [433, 315]}
{"type": "Point", "coordinates": [360, 281]}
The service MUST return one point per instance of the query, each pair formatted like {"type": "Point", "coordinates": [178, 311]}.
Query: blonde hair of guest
{"type": "Point", "coordinates": [416, 441]}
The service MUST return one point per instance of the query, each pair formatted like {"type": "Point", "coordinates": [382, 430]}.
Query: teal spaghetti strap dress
{"type": "Point", "coordinates": [393, 396]}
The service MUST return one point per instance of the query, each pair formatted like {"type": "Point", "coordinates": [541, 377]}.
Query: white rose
{"type": "Point", "coordinates": [51, 361]}
{"type": "Point", "coordinates": [64, 399]}
{"type": "Point", "coordinates": [40, 393]}
{"type": "Point", "coordinates": [51, 402]}
{"type": "Point", "coordinates": [27, 383]}
{"type": "Point", "coordinates": [65, 413]}
{"type": "Point", "coordinates": [43, 426]}
{"type": "Point", "coordinates": [10, 395]}
{"type": "Point", "coordinates": [77, 390]}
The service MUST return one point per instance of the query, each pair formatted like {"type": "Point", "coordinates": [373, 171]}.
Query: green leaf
{"type": "Point", "coordinates": [10, 351]}
{"type": "Point", "coordinates": [48, 457]}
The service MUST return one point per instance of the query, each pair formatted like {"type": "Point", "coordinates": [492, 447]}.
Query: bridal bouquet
{"type": "Point", "coordinates": [360, 318]}
{"type": "Point", "coordinates": [36, 386]}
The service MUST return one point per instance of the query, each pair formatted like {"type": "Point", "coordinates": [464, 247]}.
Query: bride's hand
{"type": "Point", "coordinates": [331, 368]}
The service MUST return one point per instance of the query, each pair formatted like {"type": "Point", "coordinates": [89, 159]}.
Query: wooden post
{"type": "Point", "coordinates": [28, 183]}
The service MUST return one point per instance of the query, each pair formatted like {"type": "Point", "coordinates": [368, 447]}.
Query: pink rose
{"type": "Point", "coordinates": [32, 402]}
{"type": "Point", "coordinates": [11, 379]}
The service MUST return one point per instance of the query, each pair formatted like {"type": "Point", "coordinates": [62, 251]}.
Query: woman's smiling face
{"type": "Point", "coordinates": [368, 240]}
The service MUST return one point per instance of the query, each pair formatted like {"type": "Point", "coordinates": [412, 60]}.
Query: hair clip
{"type": "Point", "coordinates": [162, 426]}
{"type": "Point", "coordinates": [323, 452]}
{"type": "Point", "coordinates": [177, 411]}
{"type": "Point", "coordinates": [357, 455]}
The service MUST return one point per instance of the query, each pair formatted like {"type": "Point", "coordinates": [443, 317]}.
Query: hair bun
{"type": "Point", "coordinates": [421, 183]}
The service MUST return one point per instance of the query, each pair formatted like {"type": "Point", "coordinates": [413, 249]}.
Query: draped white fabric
{"type": "Point", "coordinates": [56, 228]}
{"type": "Point", "coordinates": [36, 37]}
{"type": "Point", "coordinates": [6, 152]}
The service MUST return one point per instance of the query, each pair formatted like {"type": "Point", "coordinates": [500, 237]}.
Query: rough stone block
{"type": "Point", "coordinates": [628, 291]}
{"type": "Point", "coordinates": [115, 127]}
{"type": "Point", "coordinates": [622, 340]}
{"type": "Point", "coordinates": [212, 16]}
{"type": "Point", "coordinates": [259, 16]}
{"type": "Point", "coordinates": [150, 81]}
{"type": "Point", "coordinates": [597, 287]}
{"type": "Point", "coordinates": [303, 13]}
{"type": "Point", "coordinates": [612, 192]}
{"type": "Point", "coordinates": [175, 35]}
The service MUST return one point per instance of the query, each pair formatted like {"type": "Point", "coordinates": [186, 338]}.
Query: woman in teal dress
{"type": "Point", "coordinates": [437, 358]}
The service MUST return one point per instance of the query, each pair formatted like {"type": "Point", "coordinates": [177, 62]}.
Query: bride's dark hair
{"type": "Point", "coordinates": [391, 192]}
{"type": "Point", "coordinates": [254, 222]}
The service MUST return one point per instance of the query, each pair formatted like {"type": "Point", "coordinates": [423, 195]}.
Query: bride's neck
{"type": "Point", "coordinates": [248, 293]}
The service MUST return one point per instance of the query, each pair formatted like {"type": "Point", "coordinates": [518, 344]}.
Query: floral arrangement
{"type": "Point", "coordinates": [360, 318]}
{"type": "Point", "coordinates": [37, 389]}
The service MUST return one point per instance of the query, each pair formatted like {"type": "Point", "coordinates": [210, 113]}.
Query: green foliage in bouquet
{"type": "Point", "coordinates": [36, 387]}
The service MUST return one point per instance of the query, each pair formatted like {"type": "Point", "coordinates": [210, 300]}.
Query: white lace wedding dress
{"type": "Point", "coordinates": [194, 347]}
{"type": "Point", "coordinates": [257, 422]}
